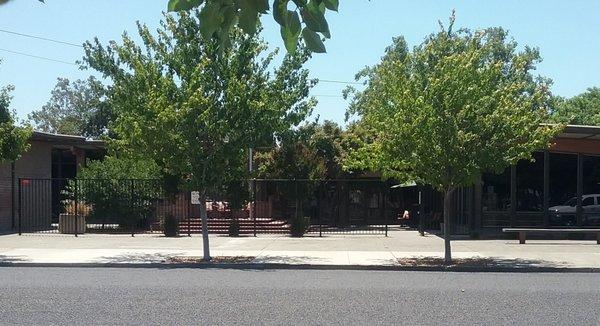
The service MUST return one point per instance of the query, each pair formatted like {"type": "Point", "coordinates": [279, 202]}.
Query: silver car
{"type": "Point", "coordinates": [565, 214]}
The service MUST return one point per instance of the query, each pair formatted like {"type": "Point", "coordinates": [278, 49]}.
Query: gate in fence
{"type": "Point", "coordinates": [353, 206]}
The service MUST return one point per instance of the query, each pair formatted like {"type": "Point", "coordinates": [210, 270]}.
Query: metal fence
{"type": "Point", "coordinates": [75, 206]}
{"type": "Point", "coordinates": [349, 206]}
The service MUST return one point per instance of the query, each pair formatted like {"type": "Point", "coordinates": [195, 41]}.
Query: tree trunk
{"type": "Point", "coordinates": [204, 218]}
{"type": "Point", "coordinates": [447, 226]}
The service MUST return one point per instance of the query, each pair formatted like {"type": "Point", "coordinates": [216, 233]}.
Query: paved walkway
{"type": "Point", "coordinates": [328, 250]}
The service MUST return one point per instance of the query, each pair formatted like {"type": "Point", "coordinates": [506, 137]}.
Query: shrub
{"type": "Point", "coordinates": [299, 226]}
{"type": "Point", "coordinates": [83, 209]}
{"type": "Point", "coordinates": [170, 226]}
{"type": "Point", "coordinates": [234, 228]}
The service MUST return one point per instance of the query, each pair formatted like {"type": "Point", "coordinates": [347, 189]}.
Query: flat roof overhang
{"type": "Point", "coordinates": [580, 132]}
{"type": "Point", "coordinates": [67, 140]}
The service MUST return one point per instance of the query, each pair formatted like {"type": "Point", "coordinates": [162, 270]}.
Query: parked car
{"type": "Point", "coordinates": [565, 214]}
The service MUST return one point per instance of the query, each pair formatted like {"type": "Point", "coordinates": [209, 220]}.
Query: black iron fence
{"type": "Point", "coordinates": [352, 206]}
{"type": "Point", "coordinates": [75, 206]}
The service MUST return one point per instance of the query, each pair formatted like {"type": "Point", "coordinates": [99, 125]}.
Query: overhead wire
{"type": "Point", "coordinates": [38, 57]}
{"type": "Point", "coordinates": [80, 46]}
{"type": "Point", "coordinates": [41, 38]}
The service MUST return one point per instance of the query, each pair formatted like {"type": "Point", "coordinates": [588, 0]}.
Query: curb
{"type": "Point", "coordinates": [275, 266]}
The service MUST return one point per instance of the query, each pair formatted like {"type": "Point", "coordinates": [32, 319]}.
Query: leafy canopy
{"type": "Point", "coordinates": [118, 189]}
{"type": "Point", "coordinates": [75, 108]}
{"type": "Point", "coordinates": [312, 151]}
{"type": "Point", "coordinates": [307, 19]}
{"type": "Point", "coordinates": [120, 167]}
{"type": "Point", "coordinates": [457, 105]}
{"type": "Point", "coordinates": [13, 139]}
{"type": "Point", "coordinates": [196, 108]}
{"type": "Point", "coordinates": [583, 109]}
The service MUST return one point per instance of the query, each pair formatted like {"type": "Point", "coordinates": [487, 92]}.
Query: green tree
{"type": "Point", "coordinates": [75, 108]}
{"type": "Point", "coordinates": [459, 104]}
{"type": "Point", "coordinates": [120, 189]}
{"type": "Point", "coordinates": [312, 151]}
{"type": "Point", "coordinates": [120, 167]}
{"type": "Point", "coordinates": [196, 108]}
{"type": "Point", "coordinates": [307, 19]}
{"type": "Point", "coordinates": [583, 109]}
{"type": "Point", "coordinates": [13, 139]}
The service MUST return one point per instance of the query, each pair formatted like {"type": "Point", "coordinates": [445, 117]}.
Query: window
{"type": "Point", "coordinates": [571, 202]}
{"type": "Point", "coordinates": [496, 199]}
{"type": "Point", "coordinates": [588, 201]}
{"type": "Point", "coordinates": [591, 187]}
{"type": "Point", "coordinates": [563, 189]}
{"type": "Point", "coordinates": [530, 184]}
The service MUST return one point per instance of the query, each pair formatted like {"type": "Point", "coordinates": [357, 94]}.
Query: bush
{"type": "Point", "coordinates": [83, 209]}
{"type": "Point", "coordinates": [234, 228]}
{"type": "Point", "coordinates": [170, 226]}
{"type": "Point", "coordinates": [299, 226]}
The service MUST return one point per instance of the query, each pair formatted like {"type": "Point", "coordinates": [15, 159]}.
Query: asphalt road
{"type": "Point", "coordinates": [85, 296]}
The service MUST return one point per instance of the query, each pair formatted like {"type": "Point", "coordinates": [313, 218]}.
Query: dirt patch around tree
{"type": "Point", "coordinates": [214, 260]}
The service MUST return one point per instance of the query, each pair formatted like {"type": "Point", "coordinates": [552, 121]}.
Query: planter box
{"type": "Point", "coordinates": [67, 225]}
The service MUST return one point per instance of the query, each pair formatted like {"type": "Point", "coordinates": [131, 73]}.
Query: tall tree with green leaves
{"type": "Point", "coordinates": [312, 151]}
{"type": "Point", "coordinates": [459, 104]}
{"type": "Point", "coordinates": [75, 108]}
{"type": "Point", "coordinates": [194, 107]}
{"type": "Point", "coordinates": [13, 139]}
{"type": "Point", "coordinates": [296, 18]}
{"type": "Point", "coordinates": [582, 109]}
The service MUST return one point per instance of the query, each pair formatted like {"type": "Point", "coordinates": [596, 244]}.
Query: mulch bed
{"type": "Point", "coordinates": [456, 262]}
{"type": "Point", "coordinates": [217, 259]}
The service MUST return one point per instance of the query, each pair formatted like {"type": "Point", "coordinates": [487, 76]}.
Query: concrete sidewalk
{"type": "Point", "coordinates": [359, 250]}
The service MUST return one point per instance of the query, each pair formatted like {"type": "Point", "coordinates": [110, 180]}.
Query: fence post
{"type": "Point", "coordinates": [254, 203]}
{"type": "Point", "coordinates": [420, 213]}
{"type": "Point", "coordinates": [319, 193]}
{"type": "Point", "coordinates": [189, 214]}
{"type": "Point", "coordinates": [76, 207]}
{"type": "Point", "coordinates": [384, 197]}
{"type": "Point", "coordinates": [20, 204]}
{"type": "Point", "coordinates": [12, 195]}
{"type": "Point", "coordinates": [131, 208]}
{"type": "Point", "coordinates": [296, 197]}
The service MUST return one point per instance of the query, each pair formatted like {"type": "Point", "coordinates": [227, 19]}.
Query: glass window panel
{"type": "Point", "coordinates": [495, 199]}
{"type": "Point", "coordinates": [563, 189]}
{"type": "Point", "coordinates": [591, 189]}
{"type": "Point", "coordinates": [530, 184]}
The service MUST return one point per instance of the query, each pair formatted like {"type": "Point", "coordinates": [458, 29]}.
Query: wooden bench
{"type": "Point", "coordinates": [523, 232]}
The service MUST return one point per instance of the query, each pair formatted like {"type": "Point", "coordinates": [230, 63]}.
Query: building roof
{"type": "Point", "coordinates": [581, 132]}
{"type": "Point", "coordinates": [68, 140]}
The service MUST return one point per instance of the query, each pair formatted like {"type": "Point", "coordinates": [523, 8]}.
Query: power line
{"type": "Point", "coordinates": [41, 38]}
{"type": "Point", "coordinates": [326, 95]}
{"type": "Point", "coordinates": [339, 82]}
{"type": "Point", "coordinates": [38, 57]}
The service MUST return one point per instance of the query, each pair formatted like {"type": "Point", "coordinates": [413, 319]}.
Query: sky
{"type": "Point", "coordinates": [566, 32]}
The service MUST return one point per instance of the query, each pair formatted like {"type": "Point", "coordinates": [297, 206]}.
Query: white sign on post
{"type": "Point", "coordinates": [195, 198]}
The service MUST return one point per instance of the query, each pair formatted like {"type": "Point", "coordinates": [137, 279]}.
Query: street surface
{"type": "Point", "coordinates": [149, 296]}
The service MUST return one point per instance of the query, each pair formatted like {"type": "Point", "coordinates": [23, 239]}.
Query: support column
{"type": "Point", "coordinates": [579, 210]}
{"type": "Point", "coordinates": [546, 200]}
{"type": "Point", "coordinates": [513, 195]}
{"type": "Point", "coordinates": [12, 195]}
{"type": "Point", "coordinates": [477, 207]}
